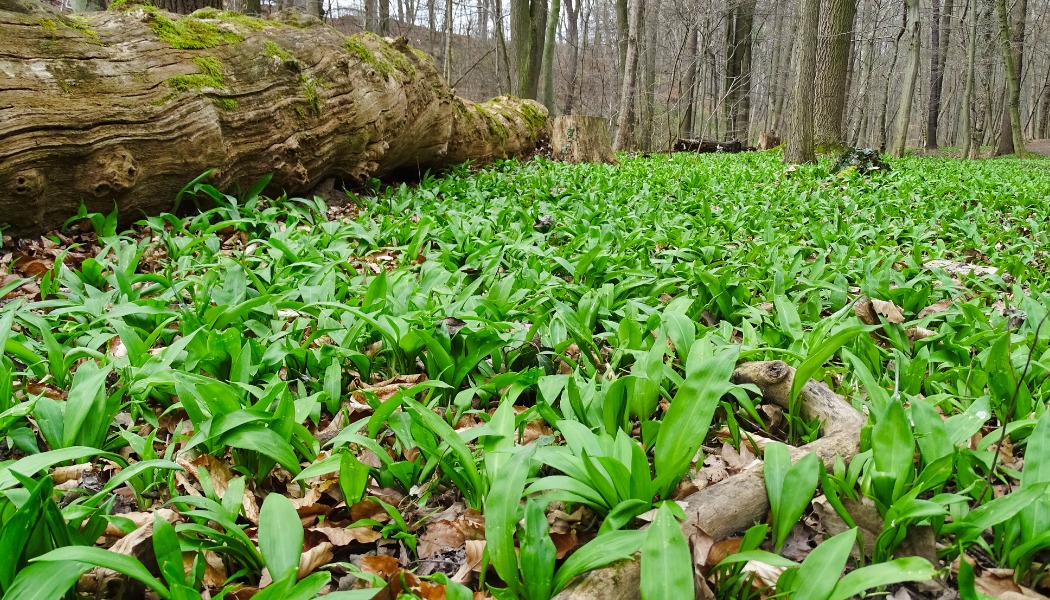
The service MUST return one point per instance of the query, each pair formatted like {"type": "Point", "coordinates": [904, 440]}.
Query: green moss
{"type": "Point", "coordinates": [188, 32]}
{"type": "Point", "coordinates": [496, 129]}
{"type": "Point", "coordinates": [48, 24]}
{"type": "Point", "coordinates": [229, 16]}
{"type": "Point", "coordinates": [80, 25]}
{"type": "Point", "coordinates": [534, 118]}
{"type": "Point", "coordinates": [122, 5]}
{"type": "Point", "coordinates": [226, 103]}
{"type": "Point", "coordinates": [276, 51]}
{"type": "Point", "coordinates": [210, 76]}
{"type": "Point", "coordinates": [384, 58]}
{"type": "Point", "coordinates": [313, 99]}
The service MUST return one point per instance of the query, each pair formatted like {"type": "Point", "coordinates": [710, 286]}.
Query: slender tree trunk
{"type": "Point", "coordinates": [372, 15]}
{"type": "Point", "coordinates": [1042, 128]}
{"type": "Point", "coordinates": [687, 89]}
{"type": "Point", "coordinates": [737, 103]}
{"type": "Point", "coordinates": [448, 42]}
{"type": "Point", "coordinates": [1011, 138]}
{"type": "Point", "coordinates": [549, 43]}
{"type": "Point", "coordinates": [625, 122]}
{"type": "Point", "coordinates": [483, 21]}
{"type": "Point", "coordinates": [799, 145]}
{"type": "Point", "coordinates": [385, 26]}
{"type": "Point", "coordinates": [967, 102]}
{"type": "Point", "coordinates": [939, 36]}
{"type": "Point", "coordinates": [786, 67]}
{"type": "Point", "coordinates": [911, 77]}
{"type": "Point", "coordinates": [648, 95]}
{"type": "Point", "coordinates": [622, 31]}
{"type": "Point", "coordinates": [502, 60]}
{"type": "Point", "coordinates": [833, 52]}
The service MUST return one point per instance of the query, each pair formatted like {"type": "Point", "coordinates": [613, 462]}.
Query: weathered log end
{"type": "Point", "coordinates": [582, 139]}
{"type": "Point", "coordinates": [124, 107]}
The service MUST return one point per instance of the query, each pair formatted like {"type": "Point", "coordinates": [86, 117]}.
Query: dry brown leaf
{"type": "Point", "coordinates": [475, 549]}
{"type": "Point", "coordinates": [918, 333]}
{"type": "Point", "coordinates": [935, 308]}
{"type": "Point", "coordinates": [314, 558]}
{"type": "Point", "coordinates": [888, 310]}
{"type": "Point", "coordinates": [737, 461]}
{"type": "Point", "coordinates": [214, 570]}
{"type": "Point", "coordinates": [385, 389]}
{"type": "Point", "coordinates": [71, 473]}
{"type": "Point", "coordinates": [383, 566]}
{"type": "Point", "coordinates": [564, 543]}
{"type": "Point", "coordinates": [439, 536]}
{"type": "Point", "coordinates": [344, 536]}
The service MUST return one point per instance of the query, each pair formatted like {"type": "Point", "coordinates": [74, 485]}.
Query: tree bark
{"type": "Point", "coordinates": [625, 122]}
{"type": "Point", "coordinates": [647, 97]}
{"type": "Point", "coordinates": [528, 22]}
{"type": "Point", "coordinates": [940, 34]}
{"type": "Point", "coordinates": [549, 43]}
{"type": "Point", "coordinates": [185, 7]}
{"type": "Point", "coordinates": [581, 139]}
{"type": "Point", "coordinates": [121, 108]}
{"type": "Point", "coordinates": [687, 89]}
{"type": "Point", "coordinates": [739, 24]}
{"type": "Point", "coordinates": [446, 53]}
{"type": "Point", "coordinates": [833, 52]}
{"type": "Point", "coordinates": [967, 101]}
{"type": "Point", "coordinates": [799, 145]}
{"type": "Point", "coordinates": [572, 10]}
{"type": "Point", "coordinates": [911, 77]}
{"type": "Point", "coordinates": [1011, 139]}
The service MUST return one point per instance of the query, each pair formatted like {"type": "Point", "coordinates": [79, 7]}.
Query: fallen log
{"type": "Point", "coordinates": [126, 106]}
{"type": "Point", "coordinates": [740, 501]}
{"type": "Point", "coordinates": [710, 147]}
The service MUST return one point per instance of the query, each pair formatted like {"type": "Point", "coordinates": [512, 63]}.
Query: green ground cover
{"type": "Point", "coordinates": [481, 382]}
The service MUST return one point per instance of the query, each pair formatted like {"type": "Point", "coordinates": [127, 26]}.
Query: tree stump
{"type": "Point", "coordinates": [581, 139]}
{"type": "Point", "coordinates": [126, 106]}
{"type": "Point", "coordinates": [768, 141]}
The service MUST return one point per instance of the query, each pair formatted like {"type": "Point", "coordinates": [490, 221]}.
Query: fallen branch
{"type": "Point", "coordinates": [737, 503]}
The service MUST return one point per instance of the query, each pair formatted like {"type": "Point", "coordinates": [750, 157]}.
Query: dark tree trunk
{"type": "Point", "coordinates": [939, 36]}
{"type": "Point", "coordinates": [832, 68]}
{"type": "Point", "coordinates": [739, 25]}
{"type": "Point", "coordinates": [1014, 24]}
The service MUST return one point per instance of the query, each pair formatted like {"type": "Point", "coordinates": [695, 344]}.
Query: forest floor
{"type": "Point", "coordinates": [492, 382]}
{"type": "Point", "coordinates": [1041, 147]}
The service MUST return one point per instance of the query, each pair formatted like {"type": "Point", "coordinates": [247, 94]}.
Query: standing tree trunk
{"type": "Point", "coordinates": [940, 32]}
{"type": "Point", "coordinates": [483, 20]}
{"type": "Point", "coordinates": [528, 22]}
{"type": "Point", "coordinates": [799, 145]}
{"type": "Point", "coordinates": [911, 78]}
{"type": "Point", "coordinates": [622, 32]}
{"type": "Point", "coordinates": [447, 53]}
{"type": "Point", "coordinates": [502, 60]}
{"type": "Point", "coordinates": [625, 121]}
{"type": "Point", "coordinates": [687, 88]}
{"type": "Point", "coordinates": [1011, 138]}
{"type": "Point", "coordinates": [572, 28]}
{"type": "Point", "coordinates": [549, 43]}
{"type": "Point", "coordinates": [833, 52]}
{"type": "Point", "coordinates": [739, 25]}
{"type": "Point", "coordinates": [648, 95]}
{"type": "Point", "coordinates": [384, 16]}
{"type": "Point", "coordinates": [1042, 127]}
{"type": "Point", "coordinates": [968, 127]}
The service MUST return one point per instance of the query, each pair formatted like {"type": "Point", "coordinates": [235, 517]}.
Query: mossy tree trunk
{"type": "Point", "coordinates": [126, 107]}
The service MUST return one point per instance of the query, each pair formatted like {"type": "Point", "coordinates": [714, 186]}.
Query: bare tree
{"type": "Point", "coordinates": [940, 33]}
{"type": "Point", "coordinates": [740, 16]}
{"type": "Point", "coordinates": [832, 65]}
{"type": "Point", "coordinates": [548, 55]}
{"type": "Point", "coordinates": [798, 147]}
{"type": "Point", "coordinates": [528, 21]}
{"type": "Point", "coordinates": [1011, 139]}
{"type": "Point", "coordinates": [913, 25]}
{"type": "Point", "coordinates": [625, 122]}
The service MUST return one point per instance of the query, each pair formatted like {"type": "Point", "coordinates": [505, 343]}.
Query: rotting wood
{"type": "Point", "coordinates": [581, 139]}
{"type": "Point", "coordinates": [125, 107]}
{"type": "Point", "coordinates": [740, 501]}
{"type": "Point", "coordinates": [710, 147]}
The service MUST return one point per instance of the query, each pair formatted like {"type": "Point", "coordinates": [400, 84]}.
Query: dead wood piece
{"type": "Point", "coordinates": [768, 141]}
{"type": "Point", "coordinates": [126, 106]}
{"type": "Point", "coordinates": [581, 139]}
{"type": "Point", "coordinates": [708, 146]}
{"type": "Point", "coordinates": [740, 501]}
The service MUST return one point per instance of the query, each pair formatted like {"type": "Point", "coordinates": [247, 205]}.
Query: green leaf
{"type": "Point", "coordinates": [30, 465]}
{"type": "Point", "coordinates": [537, 553]}
{"type": "Point", "coordinates": [98, 557]}
{"type": "Point", "coordinates": [667, 565]}
{"type": "Point", "coordinates": [686, 422]}
{"type": "Point", "coordinates": [46, 581]}
{"type": "Point", "coordinates": [1035, 518]}
{"type": "Point", "coordinates": [821, 570]}
{"type": "Point", "coordinates": [168, 551]}
{"type": "Point", "coordinates": [603, 550]}
{"type": "Point", "coordinates": [280, 536]}
{"type": "Point", "coordinates": [18, 530]}
{"type": "Point", "coordinates": [817, 357]}
{"type": "Point", "coordinates": [502, 504]}
{"type": "Point", "coordinates": [911, 568]}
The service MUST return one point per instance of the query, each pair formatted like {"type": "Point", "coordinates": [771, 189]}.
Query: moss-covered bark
{"type": "Point", "coordinates": [124, 107]}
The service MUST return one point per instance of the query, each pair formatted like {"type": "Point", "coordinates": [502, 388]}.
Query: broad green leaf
{"type": "Point", "coordinates": [818, 356]}
{"type": "Point", "coordinates": [46, 581]}
{"type": "Point", "coordinates": [603, 550]}
{"type": "Point", "coordinates": [98, 557]}
{"type": "Point", "coordinates": [537, 554]}
{"type": "Point", "coordinates": [686, 422]}
{"type": "Point", "coordinates": [280, 536]}
{"type": "Point", "coordinates": [667, 565]}
{"type": "Point", "coordinates": [911, 568]}
{"type": "Point", "coordinates": [1035, 518]}
{"type": "Point", "coordinates": [502, 504]}
{"type": "Point", "coordinates": [822, 569]}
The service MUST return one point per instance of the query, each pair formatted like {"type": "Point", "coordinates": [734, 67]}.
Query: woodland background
{"type": "Point", "coordinates": [726, 69]}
